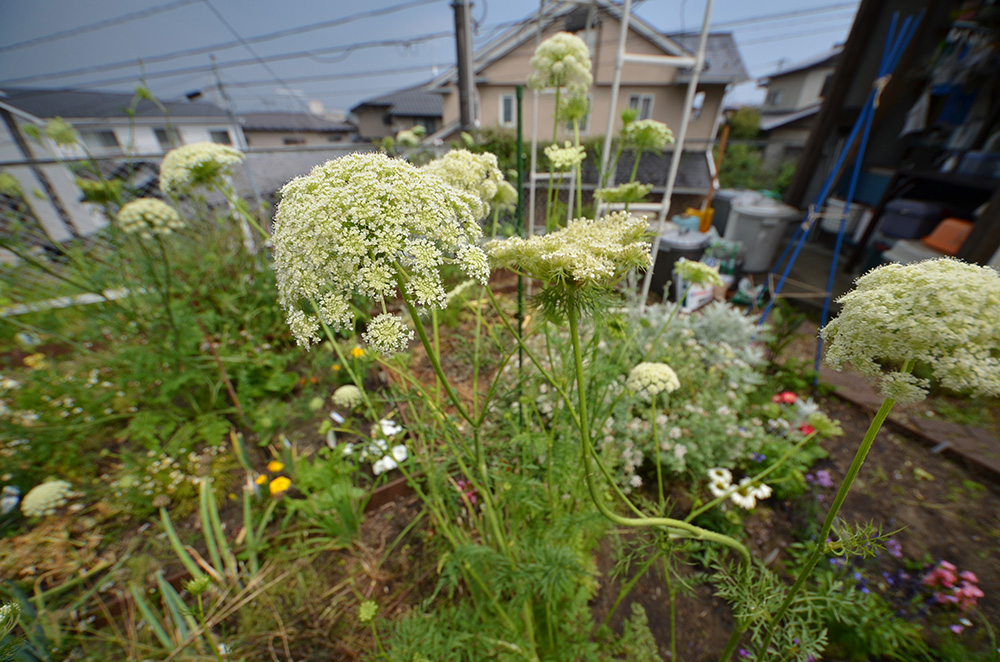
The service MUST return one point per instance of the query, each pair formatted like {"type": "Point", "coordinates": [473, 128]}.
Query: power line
{"type": "Point", "coordinates": [346, 76]}
{"type": "Point", "coordinates": [252, 61]}
{"type": "Point", "coordinates": [201, 50]}
{"type": "Point", "coordinates": [793, 35]}
{"type": "Point", "coordinates": [781, 15]}
{"type": "Point", "coordinates": [100, 25]}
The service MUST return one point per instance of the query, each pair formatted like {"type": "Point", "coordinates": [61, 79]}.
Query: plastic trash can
{"type": "Point", "coordinates": [760, 226]}
{"type": "Point", "coordinates": [723, 205]}
{"type": "Point", "coordinates": [674, 246]}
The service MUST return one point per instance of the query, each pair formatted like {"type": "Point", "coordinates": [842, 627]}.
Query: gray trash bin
{"type": "Point", "coordinates": [760, 226]}
{"type": "Point", "coordinates": [674, 246]}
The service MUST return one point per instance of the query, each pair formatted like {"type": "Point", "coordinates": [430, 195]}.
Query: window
{"type": "Point", "coordinates": [103, 141]}
{"type": "Point", "coordinates": [220, 136]}
{"type": "Point", "coordinates": [643, 103]}
{"type": "Point", "coordinates": [168, 138]}
{"type": "Point", "coordinates": [697, 104]}
{"type": "Point", "coordinates": [429, 123]}
{"type": "Point", "coordinates": [773, 98]}
{"type": "Point", "coordinates": [293, 140]}
{"type": "Point", "coordinates": [508, 111]}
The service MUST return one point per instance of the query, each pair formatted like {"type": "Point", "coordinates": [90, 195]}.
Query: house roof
{"type": "Point", "coordinates": [416, 101]}
{"type": "Point", "coordinates": [89, 104]}
{"type": "Point", "coordinates": [771, 121]}
{"type": "Point", "coordinates": [827, 58]}
{"type": "Point", "coordinates": [723, 62]}
{"type": "Point", "coordinates": [568, 12]}
{"type": "Point", "coordinates": [277, 121]}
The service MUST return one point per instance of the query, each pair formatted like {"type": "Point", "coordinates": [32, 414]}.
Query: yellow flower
{"type": "Point", "coordinates": [335, 367]}
{"type": "Point", "coordinates": [274, 466]}
{"type": "Point", "coordinates": [280, 485]}
{"type": "Point", "coordinates": [261, 479]}
{"type": "Point", "coordinates": [357, 352]}
{"type": "Point", "coordinates": [35, 361]}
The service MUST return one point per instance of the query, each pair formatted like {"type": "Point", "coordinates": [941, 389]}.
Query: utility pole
{"type": "Point", "coordinates": [463, 46]}
{"type": "Point", "coordinates": [238, 131]}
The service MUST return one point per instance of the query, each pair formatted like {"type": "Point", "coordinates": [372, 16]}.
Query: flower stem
{"type": "Point", "coordinates": [820, 545]}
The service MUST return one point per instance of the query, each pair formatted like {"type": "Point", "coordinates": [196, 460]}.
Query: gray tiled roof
{"type": "Point", "coordinates": [88, 104]}
{"type": "Point", "coordinates": [275, 121]}
{"type": "Point", "coordinates": [409, 102]}
{"type": "Point", "coordinates": [723, 62]}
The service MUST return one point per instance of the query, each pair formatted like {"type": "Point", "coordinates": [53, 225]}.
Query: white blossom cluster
{"type": "Point", "coordinates": [149, 216]}
{"type": "Point", "coordinates": [647, 135]}
{"type": "Point", "coordinates": [565, 158]}
{"type": "Point", "coordinates": [698, 273]}
{"type": "Point", "coordinates": [361, 225]}
{"type": "Point", "coordinates": [194, 165]}
{"type": "Point", "coordinates": [562, 60]}
{"type": "Point", "coordinates": [10, 613]}
{"type": "Point", "coordinates": [43, 500]}
{"type": "Point", "coordinates": [348, 396]}
{"type": "Point", "coordinates": [377, 451]}
{"type": "Point", "coordinates": [630, 192]}
{"type": "Point", "coordinates": [941, 313]}
{"type": "Point", "coordinates": [477, 174]}
{"type": "Point", "coordinates": [651, 379]}
{"type": "Point", "coordinates": [744, 495]}
{"type": "Point", "coordinates": [587, 252]}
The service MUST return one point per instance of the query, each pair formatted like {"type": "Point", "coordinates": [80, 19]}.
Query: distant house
{"type": "Point", "coordinates": [794, 96]}
{"type": "Point", "coordinates": [110, 125]}
{"type": "Point", "coordinates": [657, 92]}
{"type": "Point", "coordinates": [385, 115]}
{"type": "Point", "coordinates": [277, 129]}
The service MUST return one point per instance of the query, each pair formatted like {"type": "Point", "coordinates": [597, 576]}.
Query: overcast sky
{"type": "Point", "coordinates": [337, 55]}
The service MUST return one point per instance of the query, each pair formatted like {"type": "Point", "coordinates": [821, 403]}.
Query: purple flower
{"type": "Point", "coordinates": [894, 548]}
{"type": "Point", "coordinates": [744, 653]}
{"type": "Point", "coordinates": [956, 628]}
{"type": "Point", "coordinates": [823, 478]}
{"type": "Point", "coordinates": [758, 457]}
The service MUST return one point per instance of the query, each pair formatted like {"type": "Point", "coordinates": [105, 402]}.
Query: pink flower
{"type": "Point", "coordinates": [969, 576]}
{"type": "Point", "coordinates": [957, 629]}
{"type": "Point", "coordinates": [785, 398]}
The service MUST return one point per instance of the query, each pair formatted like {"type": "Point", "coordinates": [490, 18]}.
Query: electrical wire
{"type": "Point", "coordinates": [201, 50]}
{"type": "Point", "coordinates": [794, 35]}
{"type": "Point", "coordinates": [782, 15]}
{"type": "Point", "coordinates": [99, 25]}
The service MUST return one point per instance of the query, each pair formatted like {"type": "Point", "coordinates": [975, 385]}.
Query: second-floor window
{"type": "Point", "coordinates": [643, 103]}
{"type": "Point", "coordinates": [102, 141]}
{"type": "Point", "coordinates": [220, 136]}
{"type": "Point", "coordinates": [508, 112]}
{"type": "Point", "coordinates": [773, 98]}
{"type": "Point", "coordinates": [167, 138]}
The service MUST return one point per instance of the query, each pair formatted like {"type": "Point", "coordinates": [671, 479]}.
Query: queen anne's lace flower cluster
{"type": "Point", "coordinates": [348, 396]}
{"type": "Point", "coordinates": [477, 174]}
{"type": "Point", "coordinates": [744, 495]}
{"type": "Point", "coordinates": [630, 192]}
{"type": "Point", "coordinates": [194, 165]}
{"type": "Point", "coordinates": [647, 135]}
{"type": "Point", "coordinates": [357, 225]}
{"type": "Point", "coordinates": [10, 613]}
{"type": "Point", "coordinates": [562, 60]}
{"type": "Point", "coordinates": [942, 314]}
{"type": "Point", "coordinates": [149, 216]}
{"type": "Point", "coordinates": [565, 158]}
{"type": "Point", "coordinates": [698, 273]}
{"type": "Point", "coordinates": [588, 253]}
{"type": "Point", "coordinates": [43, 500]}
{"type": "Point", "coordinates": [651, 379]}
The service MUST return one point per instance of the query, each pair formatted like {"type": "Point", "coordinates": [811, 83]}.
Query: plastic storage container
{"type": "Point", "coordinates": [674, 246]}
{"type": "Point", "coordinates": [760, 226]}
{"type": "Point", "coordinates": [835, 211]}
{"type": "Point", "coordinates": [948, 236]}
{"type": "Point", "coordinates": [909, 219]}
{"type": "Point", "coordinates": [723, 205]}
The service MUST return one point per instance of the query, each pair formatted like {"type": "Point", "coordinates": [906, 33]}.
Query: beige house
{"type": "Point", "coordinates": [657, 92]}
{"type": "Point", "coordinates": [293, 130]}
{"type": "Point", "coordinates": [794, 96]}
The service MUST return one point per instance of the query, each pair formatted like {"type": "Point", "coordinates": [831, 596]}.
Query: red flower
{"type": "Point", "coordinates": [806, 429]}
{"type": "Point", "coordinates": [785, 398]}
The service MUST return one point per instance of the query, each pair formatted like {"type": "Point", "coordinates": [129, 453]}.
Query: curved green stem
{"type": "Point", "coordinates": [820, 545]}
{"type": "Point", "coordinates": [688, 530]}
{"type": "Point", "coordinates": [734, 639]}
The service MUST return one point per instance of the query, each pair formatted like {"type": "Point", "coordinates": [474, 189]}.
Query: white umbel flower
{"type": "Point", "coordinates": [360, 224]}
{"type": "Point", "coordinates": [43, 500]}
{"type": "Point", "coordinates": [941, 314]}
{"type": "Point", "coordinates": [194, 165]}
{"type": "Point", "coordinates": [10, 613]}
{"type": "Point", "coordinates": [566, 157]}
{"type": "Point", "coordinates": [562, 60]}
{"type": "Point", "coordinates": [647, 135]}
{"type": "Point", "coordinates": [149, 216]}
{"type": "Point", "coordinates": [478, 174]}
{"type": "Point", "coordinates": [348, 396]}
{"type": "Point", "coordinates": [652, 379]}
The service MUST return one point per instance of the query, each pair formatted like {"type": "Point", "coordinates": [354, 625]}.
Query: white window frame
{"type": "Point", "coordinates": [212, 133]}
{"type": "Point", "coordinates": [635, 101]}
{"type": "Point", "coordinates": [173, 138]}
{"type": "Point", "coordinates": [513, 110]}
